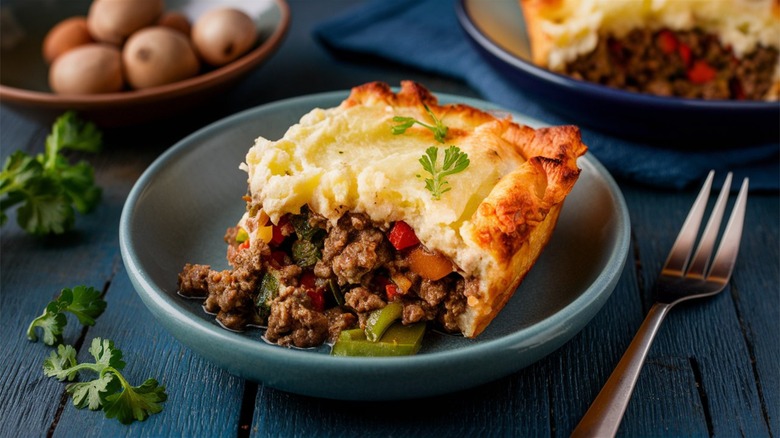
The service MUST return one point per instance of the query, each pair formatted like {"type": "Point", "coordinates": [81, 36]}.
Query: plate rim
{"type": "Point", "coordinates": [161, 304]}
{"type": "Point", "coordinates": [593, 90]}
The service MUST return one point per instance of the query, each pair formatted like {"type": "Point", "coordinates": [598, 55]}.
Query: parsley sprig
{"type": "Point", "coordinates": [83, 302]}
{"type": "Point", "coordinates": [455, 161]}
{"type": "Point", "coordinates": [47, 187]}
{"type": "Point", "coordinates": [110, 390]}
{"type": "Point", "coordinates": [438, 128]}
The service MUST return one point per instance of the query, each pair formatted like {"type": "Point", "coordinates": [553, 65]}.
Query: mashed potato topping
{"type": "Point", "coordinates": [347, 159]}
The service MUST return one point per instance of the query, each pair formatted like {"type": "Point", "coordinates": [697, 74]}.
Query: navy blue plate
{"type": "Point", "coordinates": [497, 29]}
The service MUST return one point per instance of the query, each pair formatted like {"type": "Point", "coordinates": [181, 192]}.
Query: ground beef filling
{"type": "Point", "coordinates": [314, 299]}
{"type": "Point", "coordinates": [688, 64]}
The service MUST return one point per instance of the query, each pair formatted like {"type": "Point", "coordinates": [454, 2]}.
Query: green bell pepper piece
{"type": "Point", "coordinates": [379, 320]}
{"type": "Point", "coordinates": [398, 340]}
{"type": "Point", "coordinates": [267, 290]}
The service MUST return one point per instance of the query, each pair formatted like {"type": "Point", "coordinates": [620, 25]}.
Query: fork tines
{"type": "Point", "coordinates": [679, 262]}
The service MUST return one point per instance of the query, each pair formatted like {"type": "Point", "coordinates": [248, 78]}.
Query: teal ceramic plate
{"type": "Point", "coordinates": [180, 207]}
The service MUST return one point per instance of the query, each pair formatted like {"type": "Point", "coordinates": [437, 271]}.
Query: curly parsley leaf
{"type": "Point", "coordinates": [78, 185]}
{"type": "Point", "coordinates": [106, 355]}
{"type": "Point", "coordinates": [83, 302]}
{"type": "Point", "coordinates": [90, 394]}
{"type": "Point", "coordinates": [47, 187]}
{"type": "Point", "coordinates": [110, 390]}
{"type": "Point", "coordinates": [135, 402]}
{"type": "Point", "coordinates": [455, 161]}
{"type": "Point", "coordinates": [68, 132]}
{"type": "Point", "coordinates": [51, 323]}
{"type": "Point", "coordinates": [61, 363]}
{"type": "Point", "coordinates": [438, 128]}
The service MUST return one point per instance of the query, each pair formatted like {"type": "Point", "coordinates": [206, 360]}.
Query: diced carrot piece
{"type": "Point", "coordinates": [402, 282]}
{"type": "Point", "coordinates": [429, 265]}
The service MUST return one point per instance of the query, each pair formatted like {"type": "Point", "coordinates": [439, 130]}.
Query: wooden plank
{"type": "Point", "coordinates": [20, 133]}
{"type": "Point", "coordinates": [650, 412]}
{"type": "Point", "coordinates": [756, 295]}
{"type": "Point", "coordinates": [511, 406]}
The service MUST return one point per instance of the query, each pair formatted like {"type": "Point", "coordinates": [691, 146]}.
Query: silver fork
{"type": "Point", "coordinates": [681, 278]}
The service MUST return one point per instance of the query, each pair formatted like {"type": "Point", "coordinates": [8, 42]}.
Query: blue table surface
{"type": "Point", "coordinates": [713, 370]}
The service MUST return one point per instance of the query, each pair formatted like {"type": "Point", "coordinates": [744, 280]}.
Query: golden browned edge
{"type": "Point", "coordinates": [500, 293]}
{"type": "Point", "coordinates": [533, 12]}
{"type": "Point", "coordinates": [514, 223]}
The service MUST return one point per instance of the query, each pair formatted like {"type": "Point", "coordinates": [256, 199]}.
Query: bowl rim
{"type": "Point", "coordinates": [187, 86]}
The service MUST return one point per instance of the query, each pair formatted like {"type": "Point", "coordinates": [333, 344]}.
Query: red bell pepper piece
{"type": "Point", "coordinates": [244, 244]}
{"type": "Point", "coordinates": [278, 236]}
{"type": "Point", "coordinates": [279, 257]}
{"type": "Point", "coordinates": [685, 53]}
{"type": "Point", "coordinates": [316, 295]}
{"type": "Point", "coordinates": [308, 280]}
{"type": "Point", "coordinates": [701, 72]}
{"type": "Point", "coordinates": [317, 299]}
{"type": "Point", "coordinates": [383, 282]}
{"type": "Point", "coordinates": [402, 236]}
{"type": "Point", "coordinates": [667, 42]}
{"type": "Point", "coordinates": [391, 290]}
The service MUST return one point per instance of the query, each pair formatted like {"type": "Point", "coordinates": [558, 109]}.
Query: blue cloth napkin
{"type": "Point", "coordinates": [426, 34]}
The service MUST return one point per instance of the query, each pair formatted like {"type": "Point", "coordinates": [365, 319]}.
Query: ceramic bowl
{"type": "Point", "coordinates": [24, 74]}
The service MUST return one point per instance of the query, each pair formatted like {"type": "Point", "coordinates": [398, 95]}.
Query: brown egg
{"type": "Point", "coordinates": [175, 20]}
{"type": "Point", "coordinates": [89, 69]}
{"type": "Point", "coordinates": [113, 21]}
{"type": "Point", "coordinates": [65, 35]}
{"type": "Point", "coordinates": [158, 55]}
{"type": "Point", "coordinates": [222, 35]}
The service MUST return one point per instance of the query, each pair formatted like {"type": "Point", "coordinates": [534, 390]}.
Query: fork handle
{"type": "Point", "coordinates": [606, 412]}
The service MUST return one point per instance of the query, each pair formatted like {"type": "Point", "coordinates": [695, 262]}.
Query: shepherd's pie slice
{"type": "Point", "coordinates": [339, 210]}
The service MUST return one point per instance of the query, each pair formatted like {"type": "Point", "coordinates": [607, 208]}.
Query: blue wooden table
{"type": "Point", "coordinates": [714, 369]}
